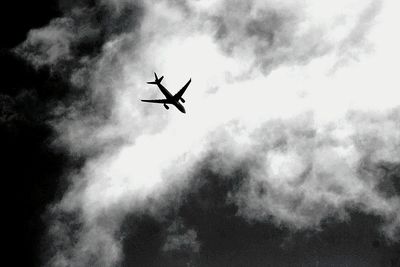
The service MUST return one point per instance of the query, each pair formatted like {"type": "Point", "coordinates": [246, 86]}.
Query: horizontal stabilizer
{"type": "Point", "coordinates": [156, 80]}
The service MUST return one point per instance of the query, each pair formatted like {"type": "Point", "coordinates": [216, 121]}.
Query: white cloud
{"type": "Point", "coordinates": [310, 173]}
{"type": "Point", "coordinates": [48, 45]}
{"type": "Point", "coordinates": [293, 123]}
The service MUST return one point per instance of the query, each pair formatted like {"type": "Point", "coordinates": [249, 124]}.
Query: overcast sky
{"type": "Point", "coordinates": [288, 154]}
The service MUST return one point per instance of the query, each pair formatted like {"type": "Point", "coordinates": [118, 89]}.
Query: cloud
{"type": "Point", "coordinates": [72, 245]}
{"type": "Point", "coordinates": [308, 138]}
{"type": "Point", "coordinates": [7, 112]}
{"type": "Point", "coordinates": [181, 239]}
{"type": "Point", "coordinates": [79, 34]}
{"type": "Point", "coordinates": [19, 109]}
{"type": "Point", "coordinates": [48, 45]}
{"type": "Point", "coordinates": [357, 41]}
{"type": "Point", "coordinates": [267, 34]}
{"type": "Point", "coordinates": [307, 174]}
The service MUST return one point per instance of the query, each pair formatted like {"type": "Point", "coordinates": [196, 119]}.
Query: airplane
{"type": "Point", "coordinates": [170, 99]}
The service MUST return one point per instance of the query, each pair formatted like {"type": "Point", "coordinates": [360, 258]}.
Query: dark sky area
{"type": "Point", "coordinates": [204, 229]}
{"type": "Point", "coordinates": [32, 170]}
{"type": "Point", "coordinates": [227, 240]}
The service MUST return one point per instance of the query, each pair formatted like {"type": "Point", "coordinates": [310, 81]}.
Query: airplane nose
{"type": "Point", "coordinates": [181, 108]}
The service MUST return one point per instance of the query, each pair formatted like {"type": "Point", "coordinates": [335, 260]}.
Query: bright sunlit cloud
{"type": "Point", "coordinates": [272, 84]}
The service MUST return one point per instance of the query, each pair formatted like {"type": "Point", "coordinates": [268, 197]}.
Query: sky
{"type": "Point", "coordinates": [288, 154]}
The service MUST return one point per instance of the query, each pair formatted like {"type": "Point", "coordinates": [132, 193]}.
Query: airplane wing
{"type": "Point", "coordinates": [182, 91]}
{"type": "Point", "coordinates": [160, 101]}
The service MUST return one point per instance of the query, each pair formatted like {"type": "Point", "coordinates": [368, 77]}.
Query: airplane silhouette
{"type": "Point", "coordinates": [170, 99]}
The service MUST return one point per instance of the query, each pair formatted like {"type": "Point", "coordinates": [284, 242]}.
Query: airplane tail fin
{"type": "Point", "coordinates": [157, 80]}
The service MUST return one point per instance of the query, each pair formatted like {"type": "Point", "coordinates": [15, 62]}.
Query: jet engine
{"type": "Point", "coordinates": [183, 100]}
{"type": "Point", "coordinates": [165, 106]}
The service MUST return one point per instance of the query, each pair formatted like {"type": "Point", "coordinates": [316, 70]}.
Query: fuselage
{"type": "Point", "coordinates": [171, 98]}
{"type": "Point", "coordinates": [179, 106]}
